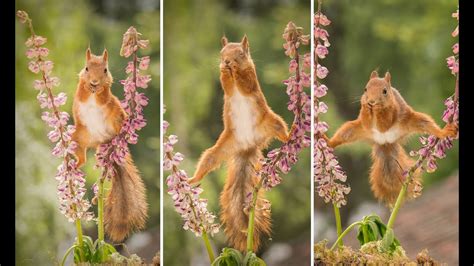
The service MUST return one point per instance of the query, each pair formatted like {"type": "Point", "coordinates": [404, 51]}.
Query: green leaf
{"type": "Point", "coordinates": [251, 259]}
{"type": "Point", "coordinates": [229, 257]}
{"type": "Point", "coordinates": [375, 230]}
{"type": "Point", "coordinates": [360, 236]}
{"type": "Point", "coordinates": [103, 252]}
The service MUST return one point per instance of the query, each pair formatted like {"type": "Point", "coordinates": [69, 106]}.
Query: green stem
{"type": "Point", "coordinates": [207, 243]}
{"type": "Point", "coordinates": [100, 209]}
{"type": "Point", "coordinates": [67, 253]}
{"type": "Point", "coordinates": [339, 239]}
{"type": "Point", "coordinates": [251, 226]}
{"type": "Point", "coordinates": [80, 241]}
{"type": "Point", "coordinates": [337, 214]}
{"type": "Point", "coordinates": [398, 203]}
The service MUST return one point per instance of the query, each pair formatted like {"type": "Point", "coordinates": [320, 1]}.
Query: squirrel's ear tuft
{"type": "Point", "coordinates": [224, 41]}
{"type": "Point", "coordinates": [105, 55]}
{"type": "Point", "coordinates": [245, 43]}
{"type": "Point", "coordinates": [387, 77]}
{"type": "Point", "coordinates": [374, 74]}
{"type": "Point", "coordinates": [88, 54]}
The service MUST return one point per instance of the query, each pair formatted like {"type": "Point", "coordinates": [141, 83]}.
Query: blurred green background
{"type": "Point", "coordinates": [42, 232]}
{"type": "Point", "coordinates": [194, 100]}
{"type": "Point", "coordinates": [411, 39]}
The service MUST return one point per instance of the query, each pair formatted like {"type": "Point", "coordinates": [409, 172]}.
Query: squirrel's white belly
{"type": "Point", "coordinates": [389, 136]}
{"type": "Point", "coordinates": [243, 116]}
{"type": "Point", "coordinates": [93, 117]}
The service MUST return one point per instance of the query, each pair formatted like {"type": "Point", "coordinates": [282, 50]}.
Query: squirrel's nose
{"type": "Point", "coordinates": [371, 102]}
{"type": "Point", "coordinates": [94, 82]}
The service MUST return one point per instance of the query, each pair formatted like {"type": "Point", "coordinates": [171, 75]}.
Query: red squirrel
{"type": "Point", "coordinates": [385, 119]}
{"type": "Point", "coordinates": [249, 126]}
{"type": "Point", "coordinates": [98, 118]}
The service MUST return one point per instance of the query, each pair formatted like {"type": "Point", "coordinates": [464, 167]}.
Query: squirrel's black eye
{"type": "Point", "coordinates": [384, 91]}
{"type": "Point", "coordinates": [105, 70]}
{"type": "Point", "coordinates": [87, 69]}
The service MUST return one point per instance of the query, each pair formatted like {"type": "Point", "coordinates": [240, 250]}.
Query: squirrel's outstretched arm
{"type": "Point", "coordinates": [422, 123]}
{"type": "Point", "coordinates": [348, 132]}
{"type": "Point", "coordinates": [212, 157]}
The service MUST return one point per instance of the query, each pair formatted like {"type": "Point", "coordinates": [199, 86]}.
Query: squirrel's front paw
{"type": "Point", "coordinates": [193, 180]}
{"type": "Point", "coordinates": [450, 130]}
{"type": "Point", "coordinates": [226, 71]}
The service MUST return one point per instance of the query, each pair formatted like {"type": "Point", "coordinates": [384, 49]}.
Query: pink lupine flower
{"type": "Point", "coordinates": [322, 19]}
{"type": "Point", "coordinates": [456, 48]}
{"type": "Point", "coordinates": [46, 66]}
{"type": "Point", "coordinates": [144, 63]}
{"type": "Point", "coordinates": [71, 181]}
{"type": "Point", "coordinates": [320, 90]}
{"type": "Point", "coordinates": [328, 174]}
{"type": "Point", "coordinates": [323, 35]}
{"type": "Point", "coordinates": [321, 71]}
{"type": "Point", "coordinates": [293, 66]}
{"type": "Point", "coordinates": [117, 149]}
{"type": "Point", "coordinates": [280, 160]}
{"type": "Point", "coordinates": [38, 84]}
{"type": "Point", "coordinates": [453, 64]}
{"type": "Point", "coordinates": [307, 60]}
{"type": "Point", "coordinates": [191, 208]}
{"type": "Point", "coordinates": [35, 41]}
{"type": "Point", "coordinates": [293, 37]}
{"type": "Point", "coordinates": [42, 51]}
{"type": "Point", "coordinates": [22, 16]}
{"type": "Point", "coordinates": [321, 51]}
{"type": "Point", "coordinates": [33, 67]}
{"type": "Point", "coordinates": [432, 147]}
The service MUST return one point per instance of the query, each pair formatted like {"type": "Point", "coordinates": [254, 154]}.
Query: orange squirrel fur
{"type": "Point", "coordinates": [385, 119]}
{"type": "Point", "coordinates": [98, 118]}
{"type": "Point", "coordinates": [249, 126]}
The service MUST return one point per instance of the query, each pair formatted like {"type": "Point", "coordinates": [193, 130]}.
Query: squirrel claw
{"type": "Point", "coordinates": [451, 130]}
{"type": "Point", "coordinates": [192, 180]}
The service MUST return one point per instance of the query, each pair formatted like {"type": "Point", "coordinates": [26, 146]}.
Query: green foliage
{"type": "Point", "coordinates": [372, 229]}
{"type": "Point", "coordinates": [233, 257]}
{"type": "Point", "coordinates": [93, 252]}
{"type": "Point", "coordinates": [229, 257]}
{"type": "Point", "coordinates": [90, 252]}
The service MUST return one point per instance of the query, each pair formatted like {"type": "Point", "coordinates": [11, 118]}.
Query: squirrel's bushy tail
{"type": "Point", "coordinates": [240, 181]}
{"type": "Point", "coordinates": [386, 174]}
{"type": "Point", "coordinates": [126, 206]}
